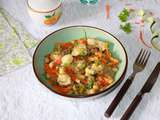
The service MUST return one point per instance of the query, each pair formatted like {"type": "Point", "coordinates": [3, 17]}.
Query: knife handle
{"type": "Point", "coordinates": [132, 107]}
{"type": "Point", "coordinates": [118, 97]}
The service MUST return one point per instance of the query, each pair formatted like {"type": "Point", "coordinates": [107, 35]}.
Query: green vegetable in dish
{"type": "Point", "coordinates": [90, 83]}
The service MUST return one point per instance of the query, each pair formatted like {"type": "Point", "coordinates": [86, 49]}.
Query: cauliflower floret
{"type": "Point", "coordinates": [51, 64]}
{"type": "Point", "coordinates": [67, 59]}
{"type": "Point", "coordinates": [81, 49]}
{"type": "Point", "coordinates": [81, 64]}
{"type": "Point", "coordinates": [61, 70]}
{"type": "Point", "coordinates": [91, 41]}
{"type": "Point", "coordinates": [93, 69]}
{"type": "Point", "coordinates": [102, 45]}
{"type": "Point", "coordinates": [91, 91]}
{"type": "Point", "coordinates": [95, 86]}
{"type": "Point", "coordinates": [97, 68]}
{"type": "Point", "coordinates": [64, 79]}
{"type": "Point", "coordinates": [53, 56]}
{"type": "Point", "coordinates": [89, 71]}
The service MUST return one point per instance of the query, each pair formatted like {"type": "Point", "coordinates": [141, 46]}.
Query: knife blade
{"type": "Point", "coordinates": [145, 89]}
{"type": "Point", "coordinates": [151, 80]}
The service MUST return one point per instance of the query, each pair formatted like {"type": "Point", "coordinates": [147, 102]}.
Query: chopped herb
{"type": "Point", "coordinates": [123, 16]}
{"type": "Point", "coordinates": [90, 84]}
{"type": "Point", "coordinates": [48, 16]}
{"type": "Point", "coordinates": [126, 27]}
{"type": "Point", "coordinates": [76, 43]}
{"type": "Point", "coordinates": [74, 64]}
{"type": "Point", "coordinates": [83, 53]}
{"type": "Point", "coordinates": [53, 14]}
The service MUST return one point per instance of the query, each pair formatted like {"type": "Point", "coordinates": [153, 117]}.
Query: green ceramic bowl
{"type": "Point", "coordinates": [76, 32]}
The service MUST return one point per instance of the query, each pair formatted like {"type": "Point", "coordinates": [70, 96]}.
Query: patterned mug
{"type": "Point", "coordinates": [46, 12]}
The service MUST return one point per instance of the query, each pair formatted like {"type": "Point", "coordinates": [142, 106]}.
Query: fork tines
{"type": "Point", "coordinates": [143, 57]}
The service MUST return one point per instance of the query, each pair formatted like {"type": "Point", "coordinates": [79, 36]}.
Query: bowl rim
{"type": "Point", "coordinates": [38, 11]}
{"type": "Point", "coordinates": [109, 89]}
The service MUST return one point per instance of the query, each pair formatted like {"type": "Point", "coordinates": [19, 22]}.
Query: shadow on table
{"type": "Point", "coordinates": [75, 12]}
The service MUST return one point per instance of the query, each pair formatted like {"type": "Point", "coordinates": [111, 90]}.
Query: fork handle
{"type": "Point", "coordinates": [118, 97]}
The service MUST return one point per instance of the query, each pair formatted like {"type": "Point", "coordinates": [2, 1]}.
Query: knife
{"type": "Point", "coordinates": [145, 89]}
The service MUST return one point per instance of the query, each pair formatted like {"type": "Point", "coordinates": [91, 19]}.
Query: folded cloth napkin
{"type": "Point", "coordinates": [15, 42]}
{"type": "Point", "coordinates": [28, 40]}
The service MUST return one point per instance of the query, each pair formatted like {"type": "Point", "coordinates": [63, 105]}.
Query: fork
{"type": "Point", "coordinates": [138, 66]}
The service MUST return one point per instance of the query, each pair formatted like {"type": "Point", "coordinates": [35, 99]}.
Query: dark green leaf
{"type": "Point", "coordinates": [123, 16]}
{"type": "Point", "coordinates": [90, 84]}
{"type": "Point", "coordinates": [126, 27]}
{"type": "Point", "coordinates": [48, 16]}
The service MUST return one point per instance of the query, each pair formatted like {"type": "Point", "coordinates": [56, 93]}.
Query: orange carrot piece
{"type": "Point", "coordinates": [60, 89]}
{"type": "Point", "coordinates": [82, 41]}
{"type": "Point", "coordinates": [99, 54]}
{"type": "Point", "coordinates": [108, 8]}
{"type": "Point", "coordinates": [85, 82]}
{"type": "Point", "coordinates": [103, 61]}
{"type": "Point", "coordinates": [108, 54]}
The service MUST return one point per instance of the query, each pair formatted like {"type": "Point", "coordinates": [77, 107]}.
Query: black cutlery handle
{"type": "Point", "coordinates": [132, 107]}
{"type": "Point", "coordinates": [118, 97]}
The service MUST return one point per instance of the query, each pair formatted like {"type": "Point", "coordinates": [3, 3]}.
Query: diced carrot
{"type": "Point", "coordinates": [85, 82]}
{"type": "Point", "coordinates": [102, 81]}
{"type": "Point", "coordinates": [73, 77]}
{"type": "Point", "coordinates": [104, 61]}
{"type": "Point", "coordinates": [58, 60]}
{"type": "Point", "coordinates": [71, 73]}
{"type": "Point", "coordinates": [66, 45]}
{"type": "Point", "coordinates": [50, 71]}
{"type": "Point", "coordinates": [50, 81]}
{"type": "Point", "coordinates": [113, 61]}
{"type": "Point", "coordinates": [108, 54]}
{"type": "Point", "coordinates": [62, 89]}
{"type": "Point", "coordinates": [99, 54]}
{"type": "Point", "coordinates": [69, 70]}
{"type": "Point", "coordinates": [82, 41]}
